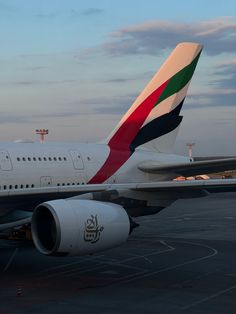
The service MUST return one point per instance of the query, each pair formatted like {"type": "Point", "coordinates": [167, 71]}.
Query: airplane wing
{"type": "Point", "coordinates": [96, 197]}
{"type": "Point", "coordinates": [190, 169]}
{"type": "Point", "coordinates": [188, 185]}
{"type": "Point", "coordinates": [28, 199]}
{"type": "Point", "coordinates": [205, 158]}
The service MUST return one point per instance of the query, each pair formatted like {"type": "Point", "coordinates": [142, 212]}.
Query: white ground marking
{"type": "Point", "coordinates": [133, 257]}
{"type": "Point", "coordinates": [10, 260]}
{"type": "Point", "coordinates": [69, 270]}
{"type": "Point", "coordinates": [212, 296]}
{"type": "Point", "coordinates": [60, 270]}
{"type": "Point", "coordinates": [214, 252]}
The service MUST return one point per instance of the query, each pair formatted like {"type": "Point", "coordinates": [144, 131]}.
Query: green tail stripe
{"type": "Point", "coordinates": [179, 80]}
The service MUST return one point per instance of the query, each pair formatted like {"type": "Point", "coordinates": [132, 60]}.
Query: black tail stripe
{"type": "Point", "coordinates": [155, 129]}
{"type": "Point", "coordinates": [177, 110]}
{"type": "Point", "coordinates": [158, 127]}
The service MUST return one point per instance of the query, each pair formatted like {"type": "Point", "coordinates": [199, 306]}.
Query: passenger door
{"type": "Point", "coordinates": [45, 181]}
{"type": "Point", "coordinates": [5, 161]}
{"type": "Point", "coordinates": [77, 159]}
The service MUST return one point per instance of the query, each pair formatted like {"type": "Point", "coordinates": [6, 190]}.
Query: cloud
{"type": "Point", "coordinates": [223, 88]}
{"type": "Point", "coordinates": [227, 73]}
{"type": "Point", "coordinates": [6, 117]}
{"type": "Point", "coordinates": [39, 82]}
{"type": "Point", "coordinates": [37, 68]}
{"type": "Point", "coordinates": [92, 11]}
{"type": "Point", "coordinates": [221, 97]}
{"type": "Point", "coordinates": [59, 114]}
{"type": "Point", "coordinates": [17, 118]}
{"type": "Point", "coordinates": [110, 105]}
{"type": "Point", "coordinates": [44, 15]}
{"type": "Point", "coordinates": [152, 37]}
{"type": "Point", "coordinates": [144, 75]}
{"type": "Point", "coordinates": [119, 80]}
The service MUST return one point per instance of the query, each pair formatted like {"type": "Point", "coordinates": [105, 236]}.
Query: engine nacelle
{"type": "Point", "coordinates": [79, 227]}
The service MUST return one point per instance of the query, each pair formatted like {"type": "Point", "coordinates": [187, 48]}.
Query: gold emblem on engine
{"type": "Point", "coordinates": [92, 231]}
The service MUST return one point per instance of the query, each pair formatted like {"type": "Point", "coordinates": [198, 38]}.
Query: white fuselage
{"type": "Point", "coordinates": [29, 165]}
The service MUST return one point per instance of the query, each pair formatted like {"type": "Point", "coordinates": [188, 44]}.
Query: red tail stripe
{"type": "Point", "coordinates": [129, 129]}
{"type": "Point", "coordinates": [120, 142]}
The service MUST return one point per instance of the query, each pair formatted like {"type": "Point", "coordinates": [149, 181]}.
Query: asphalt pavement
{"type": "Point", "coordinates": [182, 260]}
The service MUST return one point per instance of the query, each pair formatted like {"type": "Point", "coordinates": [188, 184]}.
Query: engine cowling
{"type": "Point", "coordinates": [79, 227]}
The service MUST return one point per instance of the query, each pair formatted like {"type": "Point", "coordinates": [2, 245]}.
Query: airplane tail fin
{"type": "Point", "coordinates": [154, 118]}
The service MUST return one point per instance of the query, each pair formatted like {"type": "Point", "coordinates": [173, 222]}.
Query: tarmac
{"type": "Point", "coordinates": [182, 260]}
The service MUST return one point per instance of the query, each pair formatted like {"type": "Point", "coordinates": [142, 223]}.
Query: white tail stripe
{"type": "Point", "coordinates": [167, 105]}
{"type": "Point", "coordinates": [180, 57]}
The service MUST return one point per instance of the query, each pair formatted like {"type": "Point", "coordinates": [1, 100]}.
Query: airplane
{"type": "Point", "coordinates": [82, 198]}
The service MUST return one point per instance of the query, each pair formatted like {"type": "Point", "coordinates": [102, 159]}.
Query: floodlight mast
{"type": "Point", "coordinates": [190, 149]}
{"type": "Point", "coordinates": [42, 133]}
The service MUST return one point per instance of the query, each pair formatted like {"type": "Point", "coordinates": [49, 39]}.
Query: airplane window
{"type": "Point", "coordinates": [63, 183]}
{"type": "Point", "coordinates": [49, 158]}
{"type": "Point", "coordinates": [29, 159]}
{"type": "Point", "coordinates": [39, 159]}
{"type": "Point", "coordinates": [27, 185]}
{"type": "Point", "coordinates": [44, 158]}
{"type": "Point", "coordinates": [4, 187]}
{"type": "Point", "coordinates": [34, 158]}
{"type": "Point", "coordinates": [10, 187]}
{"type": "Point", "coordinates": [59, 158]}
{"type": "Point", "coordinates": [23, 158]}
{"type": "Point", "coordinates": [21, 186]}
{"type": "Point", "coordinates": [16, 186]}
{"type": "Point", "coordinates": [64, 158]}
{"type": "Point", "coordinates": [55, 158]}
{"type": "Point", "coordinates": [18, 158]}
{"type": "Point", "coordinates": [32, 185]}
{"type": "Point", "coordinates": [68, 183]}
{"type": "Point", "coordinates": [73, 183]}
{"type": "Point", "coordinates": [58, 184]}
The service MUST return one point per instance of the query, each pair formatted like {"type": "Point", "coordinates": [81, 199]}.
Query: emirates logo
{"type": "Point", "coordinates": [92, 230]}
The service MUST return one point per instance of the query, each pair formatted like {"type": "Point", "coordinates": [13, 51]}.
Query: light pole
{"type": "Point", "coordinates": [190, 149]}
{"type": "Point", "coordinates": [41, 133]}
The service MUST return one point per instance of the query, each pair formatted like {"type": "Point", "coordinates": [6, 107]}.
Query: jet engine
{"type": "Point", "coordinates": [79, 227]}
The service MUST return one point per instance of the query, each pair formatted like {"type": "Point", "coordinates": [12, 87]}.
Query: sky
{"type": "Point", "coordinates": [75, 67]}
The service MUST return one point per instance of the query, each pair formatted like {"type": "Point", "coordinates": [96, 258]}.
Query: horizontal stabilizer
{"type": "Point", "coordinates": [191, 168]}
